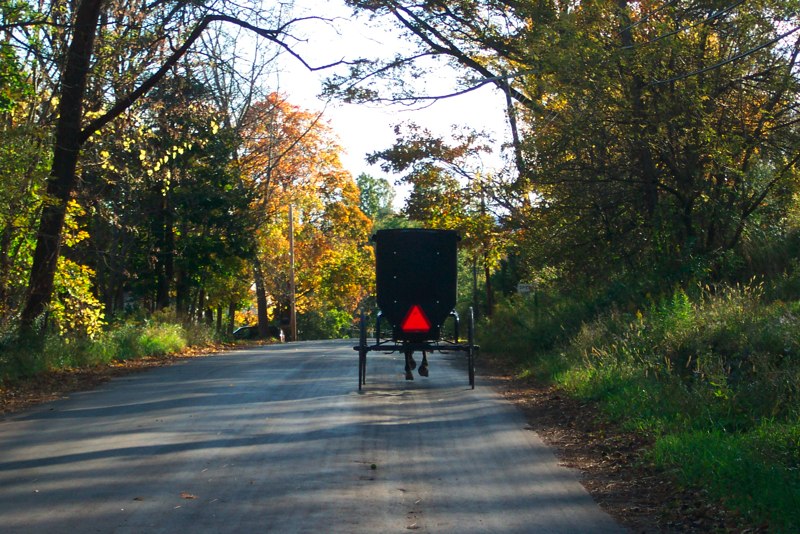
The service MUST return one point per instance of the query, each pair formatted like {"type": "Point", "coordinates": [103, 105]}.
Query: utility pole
{"type": "Point", "coordinates": [292, 308]}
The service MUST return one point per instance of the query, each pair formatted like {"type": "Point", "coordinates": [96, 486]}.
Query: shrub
{"type": "Point", "coordinates": [733, 354]}
{"type": "Point", "coordinates": [124, 340]}
{"type": "Point", "coordinates": [200, 335]}
{"type": "Point", "coordinates": [711, 372]}
{"type": "Point", "coordinates": [158, 339]}
{"type": "Point", "coordinates": [324, 324]}
{"type": "Point", "coordinates": [21, 358]}
{"type": "Point", "coordinates": [533, 324]}
{"type": "Point", "coordinates": [715, 376]}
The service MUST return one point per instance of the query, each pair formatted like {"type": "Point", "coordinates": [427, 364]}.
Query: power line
{"type": "Point", "coordinates": [726, 61]}
{"type": "Point", "coordinates": [647, 16]}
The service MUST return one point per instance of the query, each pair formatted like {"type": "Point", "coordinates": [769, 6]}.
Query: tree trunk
{"type": "Point", "coordinates": [641, 148]}
{"type": "Point", "coordinates": [201, 306]}
{"type": "Point", "coordinates": [487, 274]}
{"type": "Point", "coordinates": [231, 317]}
{"type": "Point", "coordinates": [261, 300]}
{"type": "Point", "coordinates": [475, 303]}
{"type": "Point", "coordinates": [119, 294]}
{"type": "Point", "coordinates": [61, 182]}
{"type": "Point", "coordinates": [165, 234]}
{"type": "Point", "coordinates": [516, 143]}
{"type": "Point", "coordinates": [191, 314]}
{"type": "Point", "coordinates": [5, 269]}
{"type": "Point", "coordinates": [182, 303]}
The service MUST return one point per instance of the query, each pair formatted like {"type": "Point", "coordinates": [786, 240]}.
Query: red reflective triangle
{"type": "Point", "coordinates": [415, 321]}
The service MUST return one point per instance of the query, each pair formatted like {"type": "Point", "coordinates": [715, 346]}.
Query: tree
{"type": "Point", "coordinates": [61, 182]}
{"type": "Point", "coordinates": [170, 214]}
{"type": "Point", "coordinates": [73, 129]}
{"type": "Point", "coordinates": [290, 157]}
{"type": "Point", "coordinates": [14, 85]}
{"type": "Point", "coordinates": [22, 168]}
{"type": "Point", "coordinates": [651, 134]}
{"type": "Point", "coordinates": [646, 153]}
{"type": "Point", "coordinates": [375, 196]}
{"type": "Point", "coordinates": [449, 192]}
{"type": "Point", "coordinates": [27, 51]}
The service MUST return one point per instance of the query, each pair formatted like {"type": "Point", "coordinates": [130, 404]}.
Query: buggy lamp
{"type": "Point", "coordinates": [415, 321]}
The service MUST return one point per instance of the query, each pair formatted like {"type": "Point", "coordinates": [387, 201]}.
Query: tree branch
{"type": "Point", "coordinates": [722, 63]}
{"type": "Point", "coordinates": [128, 100]}
{"type": "Point", "coordinates": [419, 27]}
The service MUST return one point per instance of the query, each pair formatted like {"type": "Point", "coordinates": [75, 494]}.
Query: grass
{"type": "Point", "coordinates": [753, 472]}
{"type": "Point", "coordinates": [20, 359]}
{"type": "Point", "coordinates": [161, 339]}
{"type": "Point", "coordinates": [712, 376]}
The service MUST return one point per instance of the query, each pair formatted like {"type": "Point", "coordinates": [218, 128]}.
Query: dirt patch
{"type": "Point", "coordinates": [613, 462]}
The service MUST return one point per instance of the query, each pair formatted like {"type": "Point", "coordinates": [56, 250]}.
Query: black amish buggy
{"type": "Point", "coordinates": [415, 277]}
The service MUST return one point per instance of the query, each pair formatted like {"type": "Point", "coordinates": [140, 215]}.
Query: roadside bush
{"type": "Point", "coordinates": [17, 361]}
{"type": "Point", "coordinates": [713, 373]}
{"type": "Point", "coordinates": [727, 352]}
{"type": "Point", "coordinates": [525, 325]}
{"type": "Point", "coordinates": [324, 324]}
{"type": "Point", "coordinates": [124, 341]}
{"type": "Point", "coordinates": [26, 358]}
{"type": "Point", "coordinates": [200, 335]}
{"type": "Point", "coordinates": [158, 339]}
{"type": "Point", "coordinates": [20, 359]}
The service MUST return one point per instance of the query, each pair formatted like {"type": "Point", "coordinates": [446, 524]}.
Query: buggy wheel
{"type": "Point", "coordinates": [471, 348]}
{"type": "Point", "coordinates": [362, 352]}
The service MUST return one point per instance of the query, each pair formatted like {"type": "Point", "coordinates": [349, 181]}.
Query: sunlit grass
{"type": "Point", "coordinates": [713, 377]}
{"type": "Point", "coordinates": [755, 472]}
{"type": "Point", "coordinates": [21, 358]}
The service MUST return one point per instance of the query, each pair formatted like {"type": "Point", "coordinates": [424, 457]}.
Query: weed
{"type": "Point", "coordinates": [713, 374]}
{"type": "Point", "coordinates": [22, 358]}
{"type": "Point", "coordinates": [158, 339]}
{"type": "Point", "coordinates": [754, 472]}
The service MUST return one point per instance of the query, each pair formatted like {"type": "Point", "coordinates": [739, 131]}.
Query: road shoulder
{"type": "Point", "coordinates": [612, 461]}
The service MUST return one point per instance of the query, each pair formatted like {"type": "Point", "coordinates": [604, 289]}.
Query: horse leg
{"type": "Point", "coordinates": [423, 368]}
{"type": "Point", "coordinates": [410, 364]}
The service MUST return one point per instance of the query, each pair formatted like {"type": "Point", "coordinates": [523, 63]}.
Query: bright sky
{"type": "Point", "coordinates": [368, 128]}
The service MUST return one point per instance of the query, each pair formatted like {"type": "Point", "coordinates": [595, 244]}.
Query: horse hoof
{"type": "Point", "coordinates": [409, 376]}
{"type": "Point", "coordinates": [423, 370]}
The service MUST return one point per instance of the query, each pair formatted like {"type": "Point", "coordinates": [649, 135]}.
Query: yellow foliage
{"type": "Point", "coordinates": [75, 309]}
{"type": "Point", "coordinates": [72, 233]}
{"type": "Point", "coordinates": [292, 157]}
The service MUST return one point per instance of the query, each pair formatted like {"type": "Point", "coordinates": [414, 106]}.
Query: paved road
{"type": "Point", "coordinates": [278, 439]}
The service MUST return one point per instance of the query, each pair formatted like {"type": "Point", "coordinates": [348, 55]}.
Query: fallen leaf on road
{"type": "Point", "coordinates": [187, 495]}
